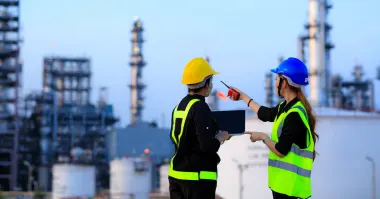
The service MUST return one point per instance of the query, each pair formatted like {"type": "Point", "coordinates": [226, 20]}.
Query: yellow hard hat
{"type": "Point", "coordinates": [196, 70]}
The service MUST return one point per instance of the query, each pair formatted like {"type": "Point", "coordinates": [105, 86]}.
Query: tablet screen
{"type": "Point", "coordinates": [232, 121]}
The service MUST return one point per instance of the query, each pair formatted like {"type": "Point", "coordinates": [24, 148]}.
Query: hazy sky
{"type": "Point", "coordinates": [242, 38]}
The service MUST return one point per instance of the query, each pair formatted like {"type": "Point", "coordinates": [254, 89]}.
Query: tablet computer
{"type": "Point", "coordinates": [232, 121]}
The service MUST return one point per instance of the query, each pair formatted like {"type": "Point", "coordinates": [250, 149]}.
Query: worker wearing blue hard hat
{"type": "Point", "coordinates": [293, 135]}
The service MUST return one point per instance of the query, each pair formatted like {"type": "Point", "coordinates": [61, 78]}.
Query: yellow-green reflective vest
{"type": "Point", "coordinates": [176, 136]}
{"type": "Point", "coordinates": [290, 175]}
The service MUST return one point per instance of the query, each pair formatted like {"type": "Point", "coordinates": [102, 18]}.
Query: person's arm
{"type": "Point", "coordinates": [293, 128]}
{"type": "Point", "coordinates": [171, 126]}
{"type": "Point", "coordinates": [272, 146]}
{"type": "Point", "coordinates": [204, 128]}
{"type": "Point", "coordinates": [253, 105]}
{"type": "Point", "coordinates": [265, 114]}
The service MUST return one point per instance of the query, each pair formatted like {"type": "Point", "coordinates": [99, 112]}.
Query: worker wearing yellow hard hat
{"type": "Point", "coordinates": [196, 137]}
{"type": "Point", "coordinates": [197, 71]}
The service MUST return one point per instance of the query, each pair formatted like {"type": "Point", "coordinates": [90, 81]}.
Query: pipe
{"type": "Point", "coordinates": [30, 173]}
{"type": "Point", "coordinates": [373, 176]}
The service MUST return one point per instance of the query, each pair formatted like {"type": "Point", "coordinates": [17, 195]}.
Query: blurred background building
{"type": "Point", "coordinates": [10, 69]}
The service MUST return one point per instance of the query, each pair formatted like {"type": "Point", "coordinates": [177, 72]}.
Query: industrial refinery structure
{"type": "Point", "coordinates": [140, 137]}
{"type": "Point", "coordinates": [326, 89]}
{"type": "Point", "coordinates": [10, 69]}
{"type": "Point", "coordinates": [69, 128]}
{"type": "Point", "coordinates": [137, 63]}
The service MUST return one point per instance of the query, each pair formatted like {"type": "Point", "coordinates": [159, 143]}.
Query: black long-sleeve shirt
{"type": "Point", "coordinates": [294, 130]}
{"type": "Point", "coordinates": [198, 146]}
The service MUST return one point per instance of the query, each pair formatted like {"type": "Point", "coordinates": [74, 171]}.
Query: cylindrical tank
{"type": "Point", "coordinates": [131, 177]}
{"type": "Point", "coordinates": [73, 180]}
{"type": "Point", "coordinates": [164, 182]}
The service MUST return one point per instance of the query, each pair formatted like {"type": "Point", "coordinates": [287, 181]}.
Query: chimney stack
{"type": "Point", "coordinates": [137, 63]}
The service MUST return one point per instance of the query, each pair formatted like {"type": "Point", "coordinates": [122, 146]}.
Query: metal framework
{"type": "Point", "coordinates": [270, 89]}
{"type": "Point", "coordinates": [355, 95]}
{"type": "Point", "coordinates": [10, 69]}
{"type": "Point", "coordinates": [137, 63]}
{"type": "Point", "coordinates": [70, 78]}
{"type": "Point", "coordinates": [35, 151]}
{"type": "Point", "coordinates": [70, 128]}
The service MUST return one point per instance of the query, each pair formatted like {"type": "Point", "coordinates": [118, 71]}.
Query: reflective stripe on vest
{"type": "Point", "coordinates": [290, 175]}
{"type": "Point", "coordinates": [184, 175]}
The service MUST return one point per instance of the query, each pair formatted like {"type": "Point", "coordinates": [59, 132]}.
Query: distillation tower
{"type": "Point", "coordinates": [319, 47]}
{"type": "Point", "coordinates": [10, 69]}
{"type": "Point", "coordinates": [137, 63]}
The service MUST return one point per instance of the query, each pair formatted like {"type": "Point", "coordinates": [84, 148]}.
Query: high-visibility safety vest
{"type": "Point", "coordinates": [290, 175]}
{"type": "Point", "coordinates": [176, 136]}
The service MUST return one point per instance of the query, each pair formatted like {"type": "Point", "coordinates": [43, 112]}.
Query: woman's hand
{"type": "Point", "coordinates": [255, 136]}
{"type": "Point", "coordinates": [242, 95]}
{"type": "Point", "coordinates": [222, 136]}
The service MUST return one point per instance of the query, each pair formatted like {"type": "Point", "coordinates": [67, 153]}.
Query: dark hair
{"type": "Point", "coordinates": [197, 90]}
{"type": "Point", "coordinates": [309, 110]}
{"type": "Point", "coordinates": [312, 120]}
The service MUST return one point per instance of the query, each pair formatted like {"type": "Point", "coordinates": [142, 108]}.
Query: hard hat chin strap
{"type": "Point", "coordinates": [279, 87]}
{"type": "Point", "coordinates": [290, 82]}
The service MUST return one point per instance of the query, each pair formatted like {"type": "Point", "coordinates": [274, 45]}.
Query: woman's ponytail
{"type": "Point", "coordinates": [310, 115]}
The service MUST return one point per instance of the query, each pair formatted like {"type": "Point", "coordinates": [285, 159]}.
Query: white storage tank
{"type": "Point", "coordinates": [131, 177]}
{"type": "Point", "coordinates": [73, 180]}
{"type": "Point", "coordinates": [341, 169]}
{"type": "Point", "coordinates": [164, 181]}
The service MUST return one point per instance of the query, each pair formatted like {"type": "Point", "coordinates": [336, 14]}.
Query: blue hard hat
{"type": "Point", "coordinates": [294, 70]}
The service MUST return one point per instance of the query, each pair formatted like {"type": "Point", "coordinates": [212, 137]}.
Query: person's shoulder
{"type": "Point", "coordinates": [201, 105]}
{"type": "Point", "coordinates": [294, 115]}
{"type": "Point", "coordinates": [294, 119]}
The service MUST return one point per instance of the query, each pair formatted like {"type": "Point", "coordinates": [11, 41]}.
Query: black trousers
{"type": "Point", "coordinates": [282, 196]}
{"type": "Point", "coordinates": [188, 189]}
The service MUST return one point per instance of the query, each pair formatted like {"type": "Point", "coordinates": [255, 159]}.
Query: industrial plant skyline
{"type": "Point", "coordinates": [174, 35]}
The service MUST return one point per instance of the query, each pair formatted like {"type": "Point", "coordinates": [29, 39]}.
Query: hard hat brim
{"type": "Point", "coordinates": [274, 70]}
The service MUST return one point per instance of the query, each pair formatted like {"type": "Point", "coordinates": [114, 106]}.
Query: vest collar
{"type": "Point", "coordinates": [286, 107]}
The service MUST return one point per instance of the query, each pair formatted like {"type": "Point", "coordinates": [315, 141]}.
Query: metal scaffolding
{"type": "Point", "coordinates": [137, 63]}
{"type": "Point", "coordinates": [70, 78]}
{"type": "Point", "coordinates": [69, 127]}
{"type": "Point", "coordinates": [10, 69]}
{"type": "Point", "coordinates": [354, 95]}
{"type": "Point", "coordinates": [35, 151]}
